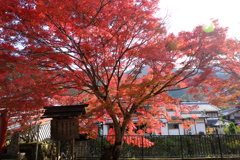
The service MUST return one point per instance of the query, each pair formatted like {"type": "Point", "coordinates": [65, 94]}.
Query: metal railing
{"type": "Point", "coordinates": [166, 146]}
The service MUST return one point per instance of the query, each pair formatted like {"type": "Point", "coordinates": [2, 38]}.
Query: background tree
{"type": "Point", "coordinates": [223, 88]}
{"type": "Point", "coordinates": [231, 129]}
{"type": "Point", "coordinates": [99, 49]}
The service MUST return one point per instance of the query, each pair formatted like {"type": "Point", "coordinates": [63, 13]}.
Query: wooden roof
{"type": "Point", "coordinates": [64, 111]}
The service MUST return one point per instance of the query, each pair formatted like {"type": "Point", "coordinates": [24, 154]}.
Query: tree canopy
{"type": "Point", "coordinates": [94, 52]}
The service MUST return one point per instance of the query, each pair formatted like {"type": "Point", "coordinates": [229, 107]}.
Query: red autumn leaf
{"type": "Point", "coordinates": [97, 52]}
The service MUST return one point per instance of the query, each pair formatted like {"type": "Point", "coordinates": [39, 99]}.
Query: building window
{"type": "Point", "coordinates": [173, 126]}
{"type": "Point", "coordinates": [212, 114]}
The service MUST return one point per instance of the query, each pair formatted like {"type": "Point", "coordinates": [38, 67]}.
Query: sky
{"type": "Point", "coordinates": [186, 14]}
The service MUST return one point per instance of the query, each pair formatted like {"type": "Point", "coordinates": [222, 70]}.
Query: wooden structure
{"type": "Point", "coordinates": [61, 112]}
{"type": "Point", "coordinates": [65, 123]}
{"type": "Point", "coordinates": [64, 129]}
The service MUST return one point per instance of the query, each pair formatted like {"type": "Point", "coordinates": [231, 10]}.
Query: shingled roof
{"type": "Point", "coordinates": [230, 111]}
{"type": "Point", "coordinates": [64, 111]}
{"type": "Point", "coordinates": [202, 106]}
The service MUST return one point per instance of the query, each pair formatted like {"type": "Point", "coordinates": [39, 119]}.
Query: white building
{"type": "Point", "coordinates": [205, 112]}
{"type": "Point", "coordinates": [232, 115]}
{"type": "Point", "coordinates": [173, 128]}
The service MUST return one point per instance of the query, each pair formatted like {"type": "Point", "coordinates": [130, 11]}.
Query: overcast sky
{"type": "Point", "coordinates": [186, 14]}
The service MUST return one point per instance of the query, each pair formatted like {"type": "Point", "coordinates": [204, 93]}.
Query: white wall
{"type": "Point", "coordinates": [105, 129]}
{"type": "Point", "coordinates": [195, 129]}
{"type": "Point", "coordinates": [201, 128]}
{"type": "Point", "coordinates": [165, 130]}
{"type": "Point", "coordinates": [173, 132]}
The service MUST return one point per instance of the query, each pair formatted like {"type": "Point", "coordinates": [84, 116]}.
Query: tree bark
{"type": "Point", "coordinates": [117, 150]}
{"type": "Point", "coordinates": [3, 129]}
{"type": "Point", "coordinates": [112, 152]}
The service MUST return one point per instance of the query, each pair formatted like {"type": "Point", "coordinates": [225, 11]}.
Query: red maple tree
{"type": "Point", "coordinates": [99, 50]}
{"type": "Point", "coordinates": [223, 89]}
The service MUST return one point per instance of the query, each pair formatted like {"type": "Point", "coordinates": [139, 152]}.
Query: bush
{"type": "Point", "coordinates": [232, 129]}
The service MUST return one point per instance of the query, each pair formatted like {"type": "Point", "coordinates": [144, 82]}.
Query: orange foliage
{"type": "Point", "coordinates": [100, 50]}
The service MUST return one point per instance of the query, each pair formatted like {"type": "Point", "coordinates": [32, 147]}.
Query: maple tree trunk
{"type": "Point", "coordinates": [117, 150]}
{"type": "Point", "coordinates": [3, 130]}
{"type": "Point", "coordinates": [113, 152]}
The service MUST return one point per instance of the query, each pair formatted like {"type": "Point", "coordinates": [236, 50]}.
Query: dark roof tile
{"type": "Point", "coordinates": [64, 111]}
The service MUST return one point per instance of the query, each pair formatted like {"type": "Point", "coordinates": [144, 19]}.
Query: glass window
{"type": "Point", "coordinates": [173, 126]}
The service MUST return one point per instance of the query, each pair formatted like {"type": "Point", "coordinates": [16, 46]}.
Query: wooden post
{"type": "Point", "coordinates": [58, 150]}
{"type": "Point", "coordinates": [72, 149]}
{"type": "Point", "coordinates": [37, 130]}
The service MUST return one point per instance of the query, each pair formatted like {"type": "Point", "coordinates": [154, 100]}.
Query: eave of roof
{"type": "Point", "coordinates": [203, 106]}
{"type": "Point", "coordinates": [64, 111]}
{"type": "Point", "coordinates": [230, 111]}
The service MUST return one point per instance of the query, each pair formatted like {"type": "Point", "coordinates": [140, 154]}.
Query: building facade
{"type": "Point", "coordinates": [206, 114]}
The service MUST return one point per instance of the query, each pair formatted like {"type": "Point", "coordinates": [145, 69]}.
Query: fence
{"type": "Point", "coordinates": [171, 146]}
